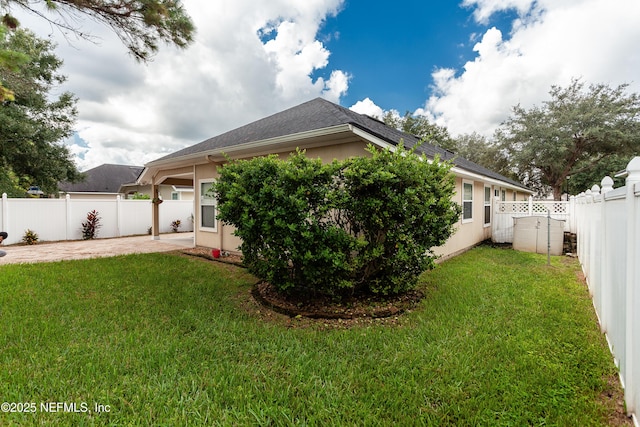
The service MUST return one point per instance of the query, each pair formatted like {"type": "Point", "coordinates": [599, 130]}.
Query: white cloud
{"type": "Point", "coordinates": [368, 107]}
{"type": "Point", "coordinates": [485, 8]}
{"type": "Point", "coordinates": [249, 59]}
{"type": "Point", "coordinates": [551, 42]}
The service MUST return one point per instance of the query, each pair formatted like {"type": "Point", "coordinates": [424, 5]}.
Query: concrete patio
{"type": "Point", "coordinates": [79, 249]}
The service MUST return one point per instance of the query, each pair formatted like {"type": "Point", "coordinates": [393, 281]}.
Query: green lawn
{"type": "Point", "coordinates": [163, 339]}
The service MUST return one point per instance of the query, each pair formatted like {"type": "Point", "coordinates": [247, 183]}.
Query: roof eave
{"type": "Point", "coordinates": [240, 150]}
{"type": "Point", "coordinates": [463, 173]}
{"type": "Point", "coordinates": [263, 147]}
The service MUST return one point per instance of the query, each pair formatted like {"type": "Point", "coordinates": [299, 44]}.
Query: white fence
{"type": "Point", "coordinates": [608, 228]}
{"type": "Point", "coordinates": [504, 212]}
{"type": "Point", "coordinates": [61, 219]}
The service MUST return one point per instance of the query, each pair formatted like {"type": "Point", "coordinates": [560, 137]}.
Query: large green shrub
{"type": "Point", "coordinates": [362, 225]}
{"type": "Point", "coordinates": [399, 207]}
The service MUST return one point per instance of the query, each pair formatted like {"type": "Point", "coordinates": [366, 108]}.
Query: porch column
{"type": "Point", "coordinates": [155, 213]}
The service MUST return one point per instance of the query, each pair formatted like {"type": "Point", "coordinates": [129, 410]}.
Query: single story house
{"type": "Point", "coordinates": [108, 181]}
{"type": "Point", "coordinates": [326, 131]}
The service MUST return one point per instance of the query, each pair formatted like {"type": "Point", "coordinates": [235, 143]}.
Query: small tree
{"type": "Point", "coordinates": [91, 225]}
{"type": "Point", "coordinates": [421, 127]}
{"type": "Point", "coordinates": [360, 226]}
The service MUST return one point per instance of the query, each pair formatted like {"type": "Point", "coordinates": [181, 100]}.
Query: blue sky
{"type": "Point", "coordinates": [391, 51]}
{"type": "Point", "coordinates": [463, 64]}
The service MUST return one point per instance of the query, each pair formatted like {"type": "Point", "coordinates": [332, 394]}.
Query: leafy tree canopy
{"type": "Point", "coordinates": [421, 127]}
{"type": "Point", "coordinates": [570, 134]}
{"type": "Point", "coordinates": [483, 151]}
{"type": "Point", "coordinates": [140, 24]}
{"type": "Point", "coordinates": [9, 60]}
{"type": "Point", "coordinates": [32, 125]}
{"type": "Point", "coordinates": [609, 166]}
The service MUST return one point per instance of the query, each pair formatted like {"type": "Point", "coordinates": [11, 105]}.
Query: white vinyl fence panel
{"type": "Point", "coordinates": [61, 219]}
{"type": "Point", "coordinates": [608, 230]}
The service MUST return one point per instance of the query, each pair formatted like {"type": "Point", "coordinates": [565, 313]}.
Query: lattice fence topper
{"type": "Point", "coordinates": [555, 208]}
{"type": "Point", "coordinates": [537, 208]}
{"type": "Point", "coordinates": [513, 207]}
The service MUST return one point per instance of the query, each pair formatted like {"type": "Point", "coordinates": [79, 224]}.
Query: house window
{"type": "Point", "coordinates": [503, 197]}
{"type": "Point", "coordinates": [467, 201]}
{"type": "Point", "coordinates": [207, 207]}
{"type": "Point", "coordinates": [487, 205]}
{"type": "Point", "coordinates": [175, 195]}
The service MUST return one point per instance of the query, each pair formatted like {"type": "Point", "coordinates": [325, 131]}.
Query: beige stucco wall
{"type": "Point", "coordinates": [339, 152]}
{"type": "Point", "coordinates": [468, 232]}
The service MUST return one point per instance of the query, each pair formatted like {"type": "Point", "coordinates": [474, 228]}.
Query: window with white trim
{"type": "Point", "coordinates": [208, 207]}
{"type": "Point", "coordinates": [467, 201]}
{"type": "Point", "coordinates": [487, 205]}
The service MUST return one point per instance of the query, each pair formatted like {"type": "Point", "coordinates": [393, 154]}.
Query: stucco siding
{"type": "Point", "coordinates": [471, 231]}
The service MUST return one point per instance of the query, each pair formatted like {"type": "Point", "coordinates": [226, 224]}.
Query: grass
{"type": "Point", "coordinates": [161, 339]}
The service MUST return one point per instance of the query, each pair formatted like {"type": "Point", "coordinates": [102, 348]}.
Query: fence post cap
{"type": "Point", "coordinates": [633, 169]}
{"type": "Point", "coordinates": [607, 184]}
{"type": "Point", "coordinates": [595, 189]}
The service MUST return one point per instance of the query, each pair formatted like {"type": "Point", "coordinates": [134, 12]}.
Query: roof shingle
{"type": "Point", "coordinates": [105, 178]}
{"type": "Point", "coordinates": [319, 114]}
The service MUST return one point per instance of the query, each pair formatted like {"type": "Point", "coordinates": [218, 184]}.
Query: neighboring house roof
{"type": "Point", "coordinates": [105, 178]}
{"type": "Point", "coordinates": [318, 115]}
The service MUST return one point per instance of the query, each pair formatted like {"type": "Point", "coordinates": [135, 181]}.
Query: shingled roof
{"type": "Point", "coordinates": [105, 178]}
{"type": "Point", "coordinates": [320, 114]}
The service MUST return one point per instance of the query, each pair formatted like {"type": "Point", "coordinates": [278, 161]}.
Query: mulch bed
{"type": "Point", "coordinates": [326, 308]}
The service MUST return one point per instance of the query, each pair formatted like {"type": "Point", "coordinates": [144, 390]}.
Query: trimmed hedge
{"type": "Point", "coordinates": [359, 226]}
